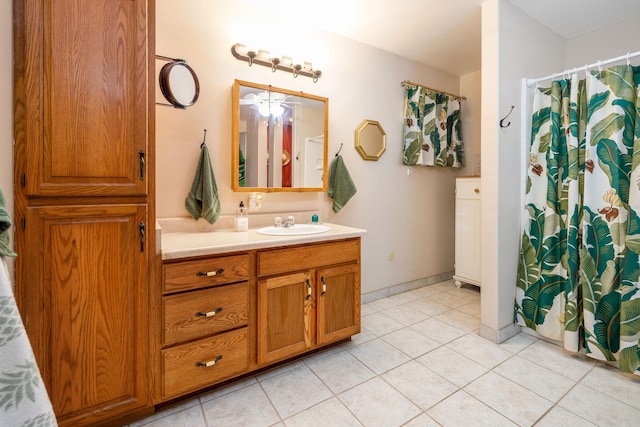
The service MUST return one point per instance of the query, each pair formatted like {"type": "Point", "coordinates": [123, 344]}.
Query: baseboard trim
{"type": "Point", "coordinates": [501, 335]}
{"type": "Point", "coordinates": [404, 287]}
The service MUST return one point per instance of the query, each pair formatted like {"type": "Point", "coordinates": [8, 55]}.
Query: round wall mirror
{"type": "Point", "coordinates": [179, 84]}
{"type": "Point", "coordinates": [370, 140]}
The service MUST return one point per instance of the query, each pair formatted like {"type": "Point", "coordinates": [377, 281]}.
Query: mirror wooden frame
{"type": "Point", "coordinates": [370, 149]}
{"type": "Point", "coordinates": [235, 138]}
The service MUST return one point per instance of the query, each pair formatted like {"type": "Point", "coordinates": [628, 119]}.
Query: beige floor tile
{"type": "Point", "coordinates": [428, 306]}
{"type": "Point", "coordinates": [452, 366]}
{"type": "Point", "coordinates": [612, 382]}
{"type": "Point", "coordinates": [379, 324]}
{"type": "Point", "coordinates": [558, 360]}
{"type": "Point", "coordinates": [295, 391]}
{"type": "Point", "coordinates": [508, 398]}
{"type": "Point", "coordinates": [535, 378]}
{"type": "Point", "coordinates": [422, 386]}
{"type": "Point", "coordinates": [328, 413]}
{"type": "Point", "coordinates": [376, 403]}
{"type": "Point", "coordinates": [364, 336]}
{"type": "Point", "coordinates": [279, 370]}
{"type": "Point", "coordinates": [410, 342]}
{"type": "Point", "coordinates": [600, 409]}
{"type": "Point", "coordinates": [383, 304]}
{"type": "Point", "coordinates": [378, 355]}
{"type": "Point", "coordinates": [406, 315]}
{"type": "Point", "coordinates": [167, 411]}
{"type": "Point", "coordinates": [248, 406]}
{"type": "Point", "coordinates": [480, 350]}
{"type": "Point", "coordinates": [518, 343]}
{"type": "Point", "coordinates": [437, 330]}
{"type": "Point", "coordinates": [340, 371]}
{"type": "Point", "coordinates": [460, 320]}
{"type": "Point", "coordinates": [448, 299]}
{"type": "Point", "coordinates": [192, 417]}
{"type": "Point", "coordinates": [560, 417]}
{"type": "Point", "coordinates": [462, 409]}
{"type": "Point", "coordinates": [422, 420]}
{"type": "Point", "coordinates": [472, 308]}
{"type": "Point", "coordinates": [404, 297]}
{"type": "Point", "coordinates": [229, 388]}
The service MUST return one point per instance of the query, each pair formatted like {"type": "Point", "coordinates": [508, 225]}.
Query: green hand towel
{"type": "Point", "coordinates": [341, 187]}
{"type": "Point", "coordinates": [5, 225]}
{"type": "Point", "coordinates": [202, 200]}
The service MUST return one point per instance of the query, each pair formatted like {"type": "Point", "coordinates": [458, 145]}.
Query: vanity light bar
{"type": "Point", "coordinates": [285, 63]}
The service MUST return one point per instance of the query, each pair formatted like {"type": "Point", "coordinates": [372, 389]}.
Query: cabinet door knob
{"type": "Point", "coordinates": [210, 362]}
{"type": "Point", "coordinates": [208, 313]}
{"type": "Point", "coordinates": [210, 273]}
{"type": "Point", "coordinates": [476, 190]}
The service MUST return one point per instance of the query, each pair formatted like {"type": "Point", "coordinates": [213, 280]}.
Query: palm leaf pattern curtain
{"type": "Point", "coordinates": [432, 129]}
{"type": "Point", "coordinates": [579, 269]}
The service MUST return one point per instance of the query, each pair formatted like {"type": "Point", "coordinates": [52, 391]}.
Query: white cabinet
{"type": "Point", "coordinates": [467, 241]}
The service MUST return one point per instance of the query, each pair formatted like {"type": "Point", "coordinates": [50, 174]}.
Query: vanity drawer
{"type": "Point", "coordinates": [183, 366]}
{"type": "Point", "coordinates": [186, 275]}
{"type": "Point", "coordinates": [284, 260]}
{"type": "Point", "coordinates": [195, 314]}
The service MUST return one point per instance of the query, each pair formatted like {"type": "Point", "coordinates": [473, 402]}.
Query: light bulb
{"type": "Point", "coordinates": [277, 109]}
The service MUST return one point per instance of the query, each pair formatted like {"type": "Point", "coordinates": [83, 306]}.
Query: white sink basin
{"type": "Point", "coordinates": [294, 230]}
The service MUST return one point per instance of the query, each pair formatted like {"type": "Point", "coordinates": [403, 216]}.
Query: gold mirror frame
{"type": "Point", "coordinates": [371, 140]}
{"type": "Point", "coordinates": [320, 164]}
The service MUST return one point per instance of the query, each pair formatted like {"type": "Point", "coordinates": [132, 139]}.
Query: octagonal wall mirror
{"type": "Point", "coordinates": [279, 139]}
{"type": "Point", "coordinates": [371, 140]}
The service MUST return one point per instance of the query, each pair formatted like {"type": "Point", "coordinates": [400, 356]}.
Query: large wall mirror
{"type": "Point", "coordinates": [279, 139]}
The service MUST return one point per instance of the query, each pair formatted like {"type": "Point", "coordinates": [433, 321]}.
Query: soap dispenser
{"type": "Point", "coordinates": [242, 218]}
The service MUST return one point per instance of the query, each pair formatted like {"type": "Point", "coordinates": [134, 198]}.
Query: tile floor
{"type": "Point", "coordinates": [420, 362]}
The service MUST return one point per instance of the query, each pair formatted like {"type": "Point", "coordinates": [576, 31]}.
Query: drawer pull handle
{"type": "Point", "coordinates": [476, 190]}
{"type": "Point", "coordinates": [210, 273]}
{"type": "Point", "coordinates": [324, 286]}
{"type": "Point", "coordinates": [209, 363]}
{"type": "Point", "coordinates": [208, 313]}
{"type": "Point", "coordinates": [308, 289]}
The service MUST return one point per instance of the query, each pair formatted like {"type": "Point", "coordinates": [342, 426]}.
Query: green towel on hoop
{"type": "Point", "coordinates": [202, 200]}
{"type": "Point", "coordinates": [5, 225]}
{"type": "Point", "coordinates": [341, 187]}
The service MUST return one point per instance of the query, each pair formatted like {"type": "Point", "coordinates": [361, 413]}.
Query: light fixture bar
{"type": "Point", "coordinates": [240, 52]}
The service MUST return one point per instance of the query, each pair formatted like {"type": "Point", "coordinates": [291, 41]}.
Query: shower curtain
{"type": "Point", "coordinates": [579, 268]}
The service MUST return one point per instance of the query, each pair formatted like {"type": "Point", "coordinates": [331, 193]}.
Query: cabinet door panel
{"type": "Point", "coordinates": [88, 300]}
{"type": "Point", "coordinates": [285, 324]}
{"type": "Point", "coordinates": [87, 118]}
{"type": "Point", "coordinates": [338, 303]}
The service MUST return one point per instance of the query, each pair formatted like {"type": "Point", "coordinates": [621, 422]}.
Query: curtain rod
{"type": "Point", "coordinates": [407, 82]}
{"type": "Point", "coordinates": [628, 56]}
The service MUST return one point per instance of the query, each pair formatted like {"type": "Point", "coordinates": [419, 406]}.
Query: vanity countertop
{"type": "Point", "coordinates": [183, 244]}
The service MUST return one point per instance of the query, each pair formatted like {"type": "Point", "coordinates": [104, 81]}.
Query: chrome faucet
{"type": "Point", "coordinates": [290, 222]}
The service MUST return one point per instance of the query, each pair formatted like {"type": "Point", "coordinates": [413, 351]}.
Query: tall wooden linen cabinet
{"type": "Point", "coordinates": [84, 201]}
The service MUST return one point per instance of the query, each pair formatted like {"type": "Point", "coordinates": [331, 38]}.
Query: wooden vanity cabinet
{"type": "Point", "coordinates": [231, 314]}
{"type": "Point", "coordinates": [84, 108]}
{"type": "Point", "coordinates": [311, 299]}
{"type": "Point", "coordinates": [205, 322]}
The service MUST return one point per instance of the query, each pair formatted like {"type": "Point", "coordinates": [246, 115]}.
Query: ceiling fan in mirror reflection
{"type": "Point", "coordinates": [267, 103]}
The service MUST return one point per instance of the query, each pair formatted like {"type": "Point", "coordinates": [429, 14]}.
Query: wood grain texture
{"type": "Point", "coordinates": [182, 276]}
{"type": "Point", "coordinates": [285, 323]}
{"type": "Point", "coordinates": [181, 322]}
{"type": "Point", "coordinates": [293, 258]}
{"type": "Point", "coordinates": [86, 104]}
{"type": "Point", "coordinates": [339, 308]}
{"type": "Point", "coordinates": [181, 374]}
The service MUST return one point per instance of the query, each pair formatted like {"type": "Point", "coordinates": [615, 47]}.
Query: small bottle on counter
{"type": "Point", "coordinates": [242, 218]}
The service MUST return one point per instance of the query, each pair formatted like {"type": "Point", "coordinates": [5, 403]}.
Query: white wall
{"type": "Point", "coordinates": [507, 33]}
{"type": "Point", "coordinates": [6, 106]}
{"type": "Point", "coordinates": [609, 42]}
{"type": "Point", "coordinates": [471, 85]}
{"type": "Point", "coordinates": [407, 212]}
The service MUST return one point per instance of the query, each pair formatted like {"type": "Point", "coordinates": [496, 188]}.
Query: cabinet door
{"type": "Point", "coordinates": [84, 300]}
{"type": "Point", "coordinates": [285, 316]}
{"type": "Point", "coordinates": [82, 97]}
{"type": "Point", "coordinates": [467, 232]}
{"type": "Point", "coordinates": [338, 296]}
